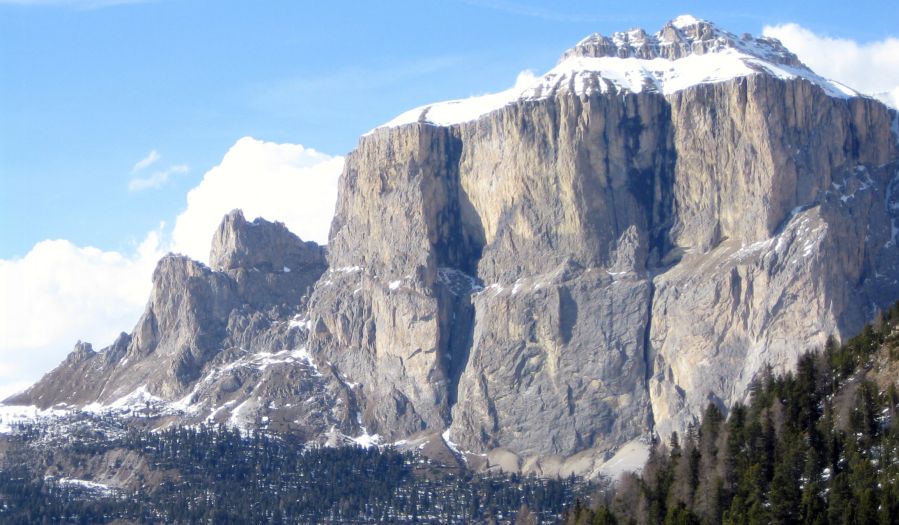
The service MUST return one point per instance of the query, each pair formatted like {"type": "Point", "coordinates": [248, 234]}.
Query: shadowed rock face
{"type": "Point", "coordinates": [546, 282]}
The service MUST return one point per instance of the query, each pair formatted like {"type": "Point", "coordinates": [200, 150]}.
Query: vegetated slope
{"type": "Point", "coordinates": [818, 446]}
{"type": "Point", "coordinates": [95, 470]}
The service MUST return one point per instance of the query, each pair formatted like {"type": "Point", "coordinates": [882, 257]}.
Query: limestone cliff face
{"type": "Point", "coordinates": [568, 274]}
{"type": "Point", "coordinates": [575, 268]}
{"type": "Point", "coordinates": [784, 229]}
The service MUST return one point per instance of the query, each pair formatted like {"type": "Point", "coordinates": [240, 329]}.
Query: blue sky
{"type": "Point", "coordinates": [90, 87]}
{"type": "Point", "coordinates": [117, 116]}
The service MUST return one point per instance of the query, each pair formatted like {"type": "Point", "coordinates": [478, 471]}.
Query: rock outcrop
{"type": "Point", "coordinates": [680, 38]}
{"type": "Point", "coordinates": [218, 345]}
{"type": "Point", "coordinates": [546, 280]}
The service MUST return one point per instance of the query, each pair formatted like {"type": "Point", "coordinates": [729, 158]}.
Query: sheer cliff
{"type": "Point", "coordinates": [543, 275]}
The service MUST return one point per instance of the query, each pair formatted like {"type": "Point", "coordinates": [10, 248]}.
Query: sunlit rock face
{"type": "Point", "coordinates": [581, 266]}
{"type": "Point", "coordinates": [543, 275]}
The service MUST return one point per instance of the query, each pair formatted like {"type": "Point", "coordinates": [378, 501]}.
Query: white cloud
{"type": "Point", "coordinates": [284, 182]}
{"type": "Point", "coordinates": [59, 293]}
{"type": "Point", "coordinates": [871, 68]}
{"type": "Point", "coordinates": [156, 179]}
{"type": "Point", "coordinates": [146, 162]}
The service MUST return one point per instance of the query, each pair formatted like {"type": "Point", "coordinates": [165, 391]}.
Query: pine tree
{"type": "Point", "coordinates": [784, 494]}
{"type": "Point", "coordinates": [603, 516]}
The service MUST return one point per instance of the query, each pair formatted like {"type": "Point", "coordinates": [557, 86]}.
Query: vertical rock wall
{"type": "Point", "coordinates": [569, 274]}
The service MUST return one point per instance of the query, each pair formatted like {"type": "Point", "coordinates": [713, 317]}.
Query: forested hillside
{"type": "Point", "coordinates": [217, 475]}
{"type": "Point", "coordinates": [816, 446]}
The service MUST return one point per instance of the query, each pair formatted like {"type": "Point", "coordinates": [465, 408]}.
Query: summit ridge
{"type": "Point", "coordinates": [679, 38]}
{"type": "Point", "coordinates": [685, 52]}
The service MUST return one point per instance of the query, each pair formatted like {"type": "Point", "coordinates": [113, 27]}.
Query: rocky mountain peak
{"type": "Point", "coordinates": [195, 314]}
{"type": "Point", "coordinates": [81, 352]}
{"type": "Point", "coordinates": [260, 244]}
{"type": "Point", "coordinates": [686, 53]}
{"type": "Point", "coordinates": [679, 38]}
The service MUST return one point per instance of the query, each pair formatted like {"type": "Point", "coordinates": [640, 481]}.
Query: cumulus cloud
{"type": "Point", "coordinates": [871, 68]}
{"type": "Point", "coordinates": [156, 179]}
{"type": "Point", "coordinates": [146, 162]}
{"type": "Point", "coordinates": [284, 182]}
{"type": "Point", "coordinates": [59, 293]}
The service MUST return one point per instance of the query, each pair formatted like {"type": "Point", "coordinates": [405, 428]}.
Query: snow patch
{"type": "Point", "coordinates": [497, 288]}
{"type": "Point", "coordinates": [729, 58]}
{"type": "Point", "coordinates": [464, 110]}
{"type": "Point", "coordinates": [303, 323]}
{"type": "Point", "coordinates": [449, 443]}
{"type": "Point", "coordinates": [458, 282]}
{"type": "Point", "coordinates": [139, 399]}
{"type": "Point", "coordinates": [301, 354]}
{"type": "Point", "coordinates": [11, 415]}
{"type": "Point", "coordinates": [263, 360]}
{"type": "Point", "coordinates": [629, 458]}
{"type": "Point", "coordinates": [216, 410]}
{"type": "Point", "coordinates": [242, 417]}
{"type": "Point", "coordinates": [367, 440]}
{"type": "Point", "coordinates": [346, 269]}
{"type": "Point", "coordinates": [96, 489]}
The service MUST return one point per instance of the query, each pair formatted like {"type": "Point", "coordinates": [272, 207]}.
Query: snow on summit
{"type": "Point", "coordinates": [686, 52]}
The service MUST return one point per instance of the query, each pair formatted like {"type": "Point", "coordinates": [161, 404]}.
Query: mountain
{"type": "Point", "coordinates": [536, 279]}
{"type": "Point", "coordinates": [213, 342]}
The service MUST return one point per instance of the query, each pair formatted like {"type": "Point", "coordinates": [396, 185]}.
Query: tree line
{"type": "Point", "coordinates": [215, 474]}
{"type": "Point", "coordinates": [814, 446]}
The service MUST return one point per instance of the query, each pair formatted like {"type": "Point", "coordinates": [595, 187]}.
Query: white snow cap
{"type": "Point", "coordinates": [686, 52]}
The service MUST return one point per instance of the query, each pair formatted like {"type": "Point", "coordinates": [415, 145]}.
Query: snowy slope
{"type": "Point", "coordinates": [684, 53]}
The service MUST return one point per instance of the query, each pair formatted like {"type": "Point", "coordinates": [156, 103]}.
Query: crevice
{"type": "Point", "coordinates": [648, 368]}
{"type": "Point", "coordinates": [457, 338]}
{"type": "Point", "coordinates": [458, 247]}
{"type": "Point", "coordinates": [660, 253]}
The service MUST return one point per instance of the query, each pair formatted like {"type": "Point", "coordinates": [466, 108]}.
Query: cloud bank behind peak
{"type": "Point", "coordinates": [59, 293]}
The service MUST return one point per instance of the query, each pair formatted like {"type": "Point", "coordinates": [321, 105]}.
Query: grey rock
{"type": "Point", "coordinates": [541, 285]}
{"type": "Point", "coordinates": [218, 346]}
{"type": "Point", "coordinates": [672, 43]}
{"type": "Point", "coordinates": [628, 259]}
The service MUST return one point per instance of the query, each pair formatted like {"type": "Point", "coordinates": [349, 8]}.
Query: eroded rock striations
{"type": "Point", "coordinates": [542, 276]}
